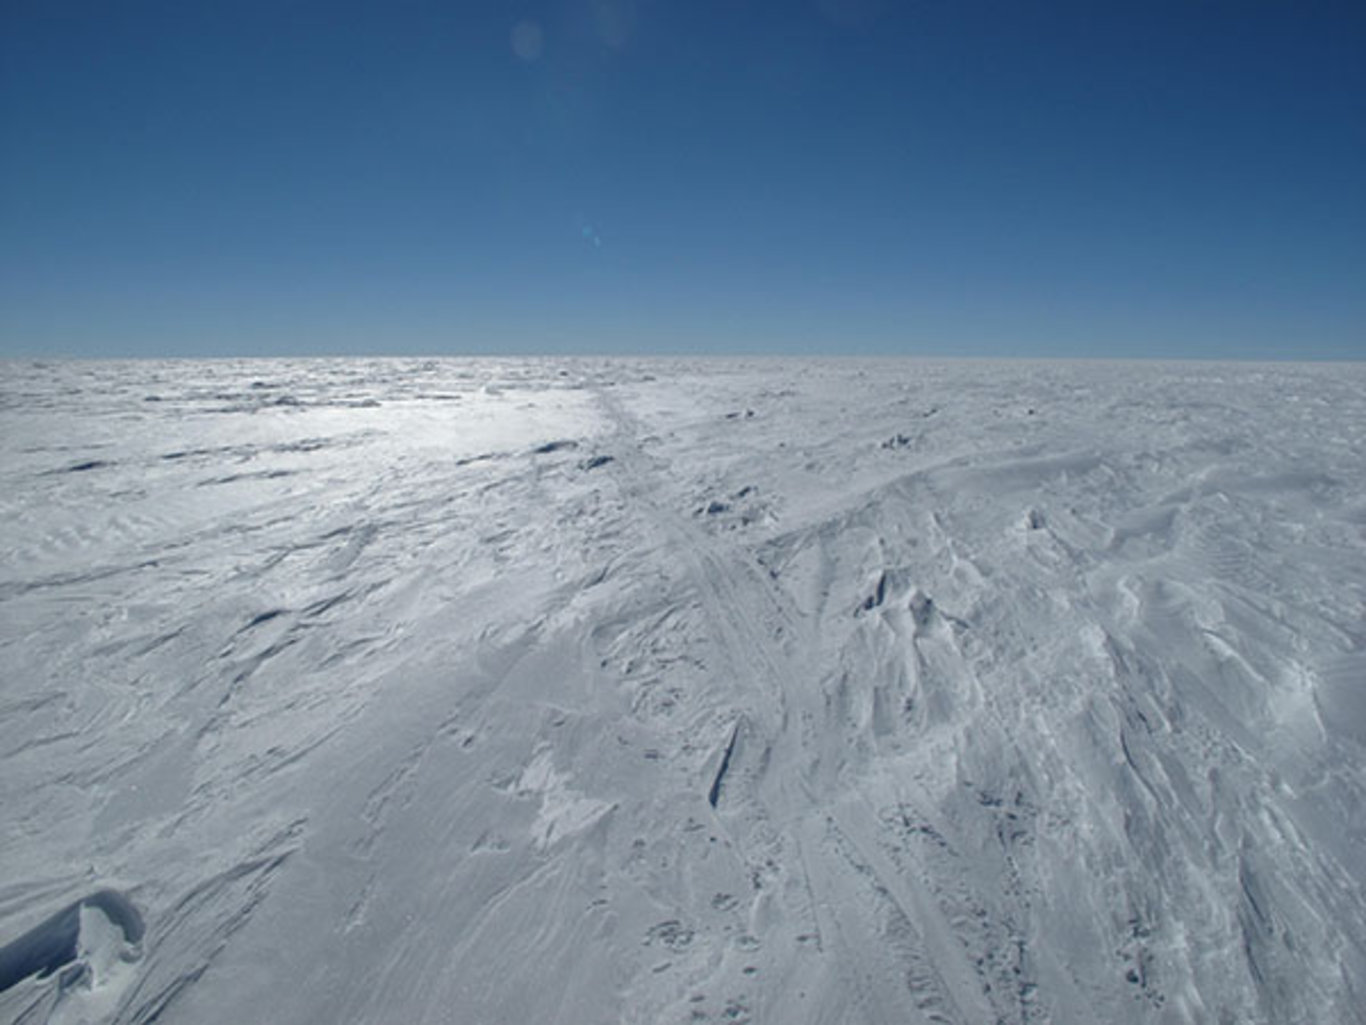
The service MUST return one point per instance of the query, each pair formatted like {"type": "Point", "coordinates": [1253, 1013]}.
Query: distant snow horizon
{"type": "Point", "coordinates": [682, 355]}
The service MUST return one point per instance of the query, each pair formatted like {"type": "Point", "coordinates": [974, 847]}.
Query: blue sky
{"type": "Point", "coordinates": [602, 176]}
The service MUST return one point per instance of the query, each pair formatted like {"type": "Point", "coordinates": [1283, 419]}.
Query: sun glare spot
{"type": "Point", "coordinates": [528, 40]}
{"type": "Point", "coordinates": [616, 21]}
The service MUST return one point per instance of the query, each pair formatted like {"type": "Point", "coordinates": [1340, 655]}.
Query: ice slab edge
{"type": "Point", "coordinates": [53, 942]}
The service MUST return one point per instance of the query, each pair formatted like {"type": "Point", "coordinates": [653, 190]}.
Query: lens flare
{"type": "Point", "coordinates": [528, 40]}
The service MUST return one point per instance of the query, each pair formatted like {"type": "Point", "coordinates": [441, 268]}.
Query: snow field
{"type": "Point", "coordinates": [683, 691]}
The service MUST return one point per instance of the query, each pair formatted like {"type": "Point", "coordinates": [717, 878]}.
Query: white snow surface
{"type": "Point", "coordinates": [680, 691]}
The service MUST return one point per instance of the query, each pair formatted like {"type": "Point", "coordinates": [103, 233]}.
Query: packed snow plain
{"type": "Point", "coordinates": [679, 691]}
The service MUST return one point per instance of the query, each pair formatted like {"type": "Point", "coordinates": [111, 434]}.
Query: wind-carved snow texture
{"type": "Point", "coordinates": [682, 691]}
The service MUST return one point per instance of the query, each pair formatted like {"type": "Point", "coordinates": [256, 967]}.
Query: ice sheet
{"type": "Point", "coordinates": [683, 690]}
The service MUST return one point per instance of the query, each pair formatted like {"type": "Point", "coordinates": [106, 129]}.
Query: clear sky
{"type": "Point", "coordinates": [947, 177]}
